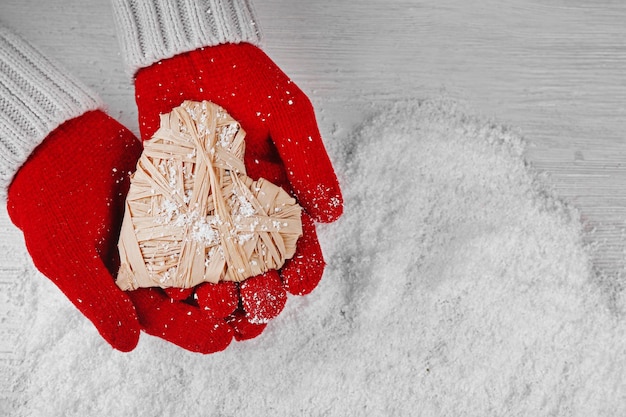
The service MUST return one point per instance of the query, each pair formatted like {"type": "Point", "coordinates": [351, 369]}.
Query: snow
{"type": "Point", "coordinates": [456, 285]}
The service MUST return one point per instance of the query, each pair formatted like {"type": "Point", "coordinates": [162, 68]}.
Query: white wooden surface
{"type": "Point", "coordinates": [555, 70]}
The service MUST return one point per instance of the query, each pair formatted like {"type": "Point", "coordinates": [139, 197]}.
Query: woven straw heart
{"type": "Point", "coordinates": [192, 215]}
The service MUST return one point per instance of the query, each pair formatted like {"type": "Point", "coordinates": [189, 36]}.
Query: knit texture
{"type": "Point", "coordinates": [36, 97]}
{"type": "Point", "coordinates": [150, 31]}
{"type": "Point", "coordinates": [66, 200]}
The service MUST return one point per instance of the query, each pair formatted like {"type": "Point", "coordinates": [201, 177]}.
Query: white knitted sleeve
{"type": "Point", "coordinates": [150, 31]}
{"type": "Point", "coordinates": [36, 96]}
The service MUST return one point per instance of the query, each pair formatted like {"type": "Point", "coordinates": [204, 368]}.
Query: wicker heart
{"type": "Point", "coordinates": [192, 215]}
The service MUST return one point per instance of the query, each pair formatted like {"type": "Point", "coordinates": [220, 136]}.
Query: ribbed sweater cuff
{"type": "Point", "coordinates": [150, 31]}
{"type": "Point", "coordinates": [36, 96]}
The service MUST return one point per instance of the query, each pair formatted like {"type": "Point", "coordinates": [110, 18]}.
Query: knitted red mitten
{"type": "Point", "coordinates": [205, 50]}
{"type": "Point", "coordinates": [66, 166]}
{"type": "Point", "coordinates": [64, 198]}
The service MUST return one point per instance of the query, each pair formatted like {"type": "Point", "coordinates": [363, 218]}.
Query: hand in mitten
{"type": "Point", "coordinates": [205, 51]}
{"type": "Point", "coordinates": [66, 166]}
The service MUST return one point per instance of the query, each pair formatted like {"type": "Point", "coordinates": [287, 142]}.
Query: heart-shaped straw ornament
{"type": "Point", "coordinates": [192, 215]}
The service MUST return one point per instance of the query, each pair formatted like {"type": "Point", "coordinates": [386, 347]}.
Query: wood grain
{"type": "Point", "coordinates": [556, 72]}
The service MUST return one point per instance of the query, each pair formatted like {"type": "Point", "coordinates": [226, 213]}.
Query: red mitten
{"type": "Point", "coordinates": [205, 50]}
{"type": "Point", "coordinates": [66, 166]}
{"type": "Point", "coordinates": [65, 200]}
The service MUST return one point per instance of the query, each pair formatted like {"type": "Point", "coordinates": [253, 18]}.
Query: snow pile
{"type": "Point", "coordinates": [456, 285]}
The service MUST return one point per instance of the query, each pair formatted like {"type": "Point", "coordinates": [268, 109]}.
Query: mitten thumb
{"type": "Point", "coordinates": [295, 133]}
